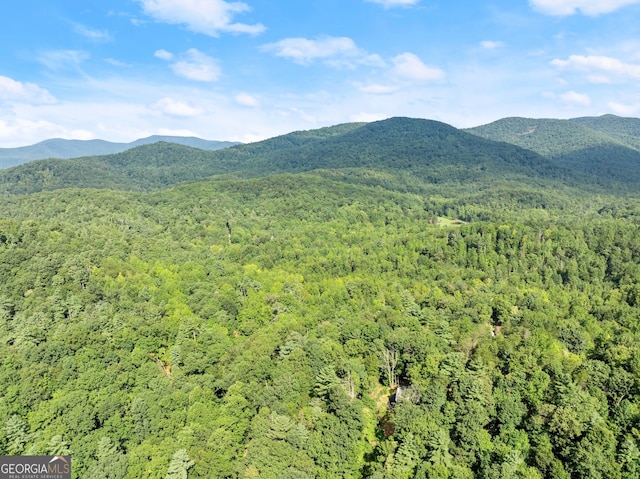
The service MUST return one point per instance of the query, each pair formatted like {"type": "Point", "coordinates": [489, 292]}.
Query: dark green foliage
{"type": "Point", "coordinates": [625, 130]}
{"type": "Point", "coordinates": [145, 167]}
{"type": "Point", "coordinates": [416, 151]}
{"type": "Point", "coordinates": [605, 147]}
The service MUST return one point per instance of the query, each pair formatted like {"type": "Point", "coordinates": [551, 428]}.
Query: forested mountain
{"type": "Point", "coordinates": [361, 301]}
{"type": "Point", "coordinates": [431, 151]}
{"type": "Point", "coordinates": [607, 146]}
{"type": "Point", "coordinates": [59, 148]}
{"type": "Point", "coordinates": [625, 130]}
{"type": "Point", "coordinates": [144, 167]}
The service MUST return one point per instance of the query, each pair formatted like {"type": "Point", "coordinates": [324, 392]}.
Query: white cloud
{"type": "Point", "coordinates": [92, 34]}
{"type": "Point", "coordinates": [600, 68]}
{"type": "Point", "coordinates": [407, 70]}
{"type": "Point", "coordinates": [197, 66]}
{"type": "Point", "coordinates": [21, 132]}
{"type": "Point", "coordinates": [122, 110]}
{"type": "Point", "coordinates": [60, 59]}
{"type": "Point", "coordinates": [569, 99]}
{"type": "Point", "coordinates": [174, 132]}
{"type": "Point", "coordinates": [586, 7]}
{"type": "Point", "coordinates": [193, 65]}
{"type": "Point", "coordinates": [394, 3]}
{"type": "Point", "coordinates": [599, 79]}
{"type": "Point", "coordinates": [176, 108]}
{"type": "Point", "coordinates": [116, 63]}
{"type": "Point", "coordinates": [335, 51]}
{"type": "Point", "coordinates": [367, 117]}
{"type": "Point", "coordinates": [245, 99]}
{"type": "Point", "coordinates": [164, 55]}
{"type": "Point", "coordinates": [12, 90]}
{"type": "Point", "coordinates": [624, 109]}
{"type": "Point", "coordinates": [490, 44]}
{"type": "Point", "coordinates": [210, 17]}
{"type": "Point", "coordinates": [296, 114]}
{"type": "Point", "coordinates": [572, 98]}
{"type": "Point", "coordinates": [304, 51]}
{"type": "Point", "coordinates": [409, 67]}
{"type": "Point", "coordinates": [378, 89]}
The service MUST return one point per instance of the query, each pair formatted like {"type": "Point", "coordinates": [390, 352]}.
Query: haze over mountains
{"type": "Point", "coordinates": [589, 151]}
{"type": "Point", "coordinates": [65, 149]}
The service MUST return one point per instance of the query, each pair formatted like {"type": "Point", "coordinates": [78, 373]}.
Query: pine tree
{"type": "Point", "coordinates": [439, 444]}
{"type": "Point", "coordinates": [325, 381]}
{"type": "Point", "coordinates": [179, 465]}
{"type": "Point", "coordinates": [629, 457]}
{"type": "Point", "coordinates": [109, 462]}
{"type": "Point", "coordinates": [57, 446]}
{"type": "Point", "coordinates": [140, 418]}
{"type": "Point", "coordinates": [17, 434]}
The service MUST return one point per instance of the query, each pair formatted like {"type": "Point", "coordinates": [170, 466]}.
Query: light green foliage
{"type": "Point", "coordinates": [16, 435]}
{"type": "Point", "coordinates": [57, 446]}
{"type": "Point", "coordinates": [179, 465]}
{"type": "Point", "coordinates": [109, 462]}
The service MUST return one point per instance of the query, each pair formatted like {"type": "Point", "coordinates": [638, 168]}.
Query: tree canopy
{"type": "Point", "coordinates": [341, 323]}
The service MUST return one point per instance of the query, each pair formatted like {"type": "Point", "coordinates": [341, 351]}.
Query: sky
{"type": "Point", "coordinates": [119, 70]}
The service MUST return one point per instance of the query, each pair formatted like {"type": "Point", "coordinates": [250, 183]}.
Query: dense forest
{"type": "Point", "coordinates": [424, 151]}
{"type": "Point", "coordinates": [603, 146]}
{"type": "Point", "coordinates": [412, 311]}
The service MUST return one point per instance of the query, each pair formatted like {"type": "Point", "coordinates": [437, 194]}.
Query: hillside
{"type": "Point", "coordinates": [261, 327]}
{"type": "Point", "coordinates": [605, 147]}
{"type": "Point", "coordinates": [435, 151]}
{"type": "Point", "coordinates": [262, 321]}
{"type": "Point", "coordinates": [625, 130]}
{"type": "Point", "coordinates": [65, 149]}
{"type": "Point", "coordinates": [144, 167]}
{"type": "Point", "coordinates": [429, 151]}
{"type": "Point", "coordinates": [388, 300]}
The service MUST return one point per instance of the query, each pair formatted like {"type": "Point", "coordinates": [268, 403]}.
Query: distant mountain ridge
{"type": "Point", "coordinates": [66, 149]}
{"type": "Point", "coordinates": [607, 145]}
{"type": "Point", "coordinates": [410, 153]}
{"type": "Point", "coordinates": [426, 150]}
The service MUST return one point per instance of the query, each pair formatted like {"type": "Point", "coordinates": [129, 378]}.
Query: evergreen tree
{"type": "Point", "coordinates": [179, 465]}
{"type": "Point", "coordinates": [109, 462]}
{"type": "Point", "coordinates": [17, 435]}
{"type": "Point", "coordinates": [57, 446]}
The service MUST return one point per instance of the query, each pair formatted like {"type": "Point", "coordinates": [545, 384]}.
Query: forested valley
{"type": "Point", "coordinates": [330, 304]}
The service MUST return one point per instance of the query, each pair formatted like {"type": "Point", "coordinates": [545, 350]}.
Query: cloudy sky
{"type": "Point", "coordinates": [226, 70]}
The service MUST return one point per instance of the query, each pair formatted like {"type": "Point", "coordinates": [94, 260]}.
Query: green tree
{"type": "Point", "coordinates": [109, 462]}
{"type": "Point", "coordinates": [57, 446]}
{"type": "Point", "coordinates": [17, 435]}
{"type": "Point", "coordinates": [179, 465]}
{"type": "Point", "coordinates": [629, 458]}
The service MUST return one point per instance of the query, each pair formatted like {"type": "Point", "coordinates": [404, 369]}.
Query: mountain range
{"type": "Point", "coordinates": [605, 146]}
{"type": "Point", "coordinates": [593, 152]}
{"type": "Point", "coordinates": [65, 149]}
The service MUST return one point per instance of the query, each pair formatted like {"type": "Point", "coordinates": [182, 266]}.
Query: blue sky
{"type": "Point", "coordinates": [224, 70]}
